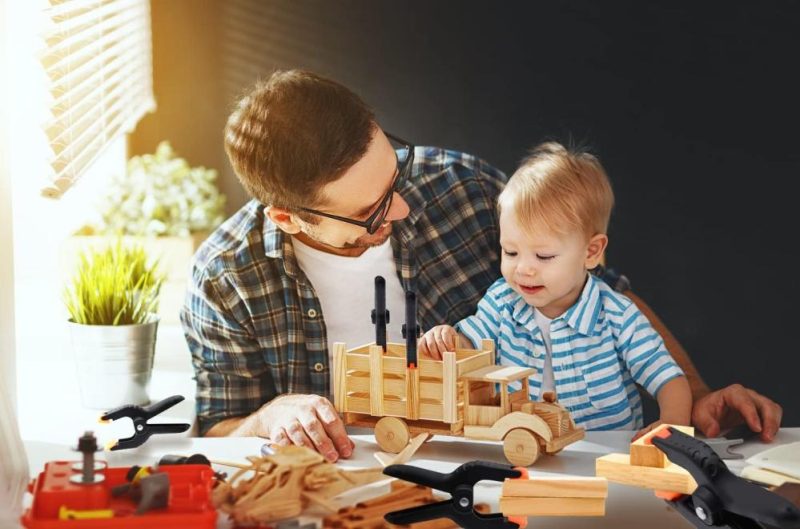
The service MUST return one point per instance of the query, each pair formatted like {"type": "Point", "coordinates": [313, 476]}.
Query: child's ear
{"type": "Point", "coordinates": [595, 250]}
{"type": "Point", "coordinates": [284, 218]}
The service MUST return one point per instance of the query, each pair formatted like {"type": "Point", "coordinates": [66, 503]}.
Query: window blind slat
{"type": "Point", "coordinates": [79, 19]}
{"type": "Point", "coordinates": [62, 179]}
{"type": "Point", "coordinates": [88, 41]}
{"type": "Point", "coordinates": [65, 93]}
{"type": "Point", "coordinates": [98, 62]}
{"type": "Point", "coordinates": [83, 64]}
{"type": "Point", "coordinates": [81, 138]}
{"type": "Point", "coordinates": [78, 117]}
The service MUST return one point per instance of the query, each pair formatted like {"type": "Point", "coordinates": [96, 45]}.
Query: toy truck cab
{"type": "Point", "coordinates": [526, 428]}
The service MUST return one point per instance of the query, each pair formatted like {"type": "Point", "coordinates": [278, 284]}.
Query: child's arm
{"type": "Point", "coordinates": [675, 402]}
{"type": "Point", "coordinates": [652, 367]}
{"type": "Point", "coordinates": [440, 339]}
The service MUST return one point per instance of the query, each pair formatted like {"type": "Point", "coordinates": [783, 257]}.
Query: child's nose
{"type": "Point", "coordinates": [527, 268]}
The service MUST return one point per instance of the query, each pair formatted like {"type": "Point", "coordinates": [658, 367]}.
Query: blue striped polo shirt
{"type": "Point", "coordinates": [602, 347]}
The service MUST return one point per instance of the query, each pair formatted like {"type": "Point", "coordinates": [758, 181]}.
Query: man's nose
{"type": "Point", "coordinates": [399, 208]}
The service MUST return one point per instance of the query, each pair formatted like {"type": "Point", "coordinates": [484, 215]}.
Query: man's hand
{"type": "Point", "coordinates": [437, 340]}
{"type": "Point", "coordinates": [304, 420]}
{"type": "Point", "coordinates": [728, 407]}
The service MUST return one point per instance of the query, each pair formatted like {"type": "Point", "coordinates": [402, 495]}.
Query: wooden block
{"type": "Point", "coordinates": [412, 394]}
{"type": "Point", "coordinates": [645, 454]}
{"type": "Point", "coordinates": [617, 469]}
{"type": "Point", "coordinates": [556, 487]}
{"type": "Point", "coordinates": [339, 375]}
{"type": "Point", "coordinates": [376, 381]}
{"type": "Point", "coordinates": [449, 388]}
{"type": "Point", "coordinates": [514, 506]}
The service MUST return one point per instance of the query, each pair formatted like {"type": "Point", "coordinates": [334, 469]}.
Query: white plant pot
{"type": "Point", "coordinates": [114, 362]}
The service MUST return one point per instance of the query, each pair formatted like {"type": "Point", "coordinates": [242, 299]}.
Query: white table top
{"type": "Point", "coordinates": [625, 507]}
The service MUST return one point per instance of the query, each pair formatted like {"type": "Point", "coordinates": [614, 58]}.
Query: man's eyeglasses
{"type": "Point", "coordinates": [376, 218]}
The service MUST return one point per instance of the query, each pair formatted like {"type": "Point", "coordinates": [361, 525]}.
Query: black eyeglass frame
{"type": "Point", "coordinates": [376, 218]}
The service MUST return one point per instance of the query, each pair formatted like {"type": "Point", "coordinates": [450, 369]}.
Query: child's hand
{"type": "Point", "coordinates": [437, 340]}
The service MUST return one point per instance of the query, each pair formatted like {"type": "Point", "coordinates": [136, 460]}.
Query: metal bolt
{"type": "Point", "coordinates": [701, 513]}
{"type": "Point", "coordinates": [87, 445]}
{"type": "Point", "coordinates": [139, 428]}
{"type": "Point", "coordinates": [464, 502]}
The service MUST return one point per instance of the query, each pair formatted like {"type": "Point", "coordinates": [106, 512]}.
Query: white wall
{"type": "Point", "coordinates": [7, 354]}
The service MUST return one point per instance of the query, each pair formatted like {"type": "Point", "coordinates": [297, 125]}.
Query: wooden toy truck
{"type": "Point", "coordinates": [384, 386]}
{"type": "Point", "coordinates": [456, 396]}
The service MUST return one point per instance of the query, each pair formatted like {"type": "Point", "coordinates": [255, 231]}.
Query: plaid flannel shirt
{"type": "Point", "coordinates": [254, 325]}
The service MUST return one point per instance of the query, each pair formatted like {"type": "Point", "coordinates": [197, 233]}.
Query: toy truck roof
{"type": "Point", "coordinates": [503, 374]}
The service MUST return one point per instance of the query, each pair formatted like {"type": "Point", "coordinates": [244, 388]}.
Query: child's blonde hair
{"type": "Point", "coordinates": [560, 190]}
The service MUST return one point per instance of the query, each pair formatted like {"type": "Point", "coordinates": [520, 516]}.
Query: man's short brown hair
{"type": "Point", "coordinates": [294, 133]}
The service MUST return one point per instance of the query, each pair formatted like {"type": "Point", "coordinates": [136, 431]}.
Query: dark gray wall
{"type": "Point", "coordinates": [691, 106]}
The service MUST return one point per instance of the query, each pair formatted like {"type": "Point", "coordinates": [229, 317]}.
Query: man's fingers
{"type": "Point", "coordinates": [297, 435]}
{"type": "Point", "coordinates": [316, 432]}
{"type": "Point", "coordinates": [280, 438]}
{"type": "Point", "coordinates": [704, 417]}
{"type": "Point", "coordinates": [737, 397]}
{"type": "Point", "coordinates": [771, 415]}
{"type": "Point", "coordinates": [334, 428]}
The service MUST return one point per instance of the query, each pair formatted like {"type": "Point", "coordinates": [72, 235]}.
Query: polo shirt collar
{"type": "Point", "coordinates": [581, 316]}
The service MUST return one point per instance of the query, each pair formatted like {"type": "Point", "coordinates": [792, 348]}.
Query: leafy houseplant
{"type": "Point", "coordinates": [162, 195]}
{"type": "Point", "coordinates": [111, 301]}
{"type": "Point", "coordinates": [167, 205]}
{"type": "Point", "coordinates": [114, 286]}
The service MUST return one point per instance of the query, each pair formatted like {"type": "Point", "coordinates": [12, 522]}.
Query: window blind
{"type": "Point", "coordinates": [98, 64]}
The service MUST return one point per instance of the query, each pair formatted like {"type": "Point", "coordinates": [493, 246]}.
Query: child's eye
{"type": "Point", "coordinates": [545, 257]}
{"type": "Point", "coordinates": [509, 253]}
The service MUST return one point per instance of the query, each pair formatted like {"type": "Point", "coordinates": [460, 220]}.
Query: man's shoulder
{"type": "Point", "coordinates": [232, 243]}
{"type": "Point", "coordinates": [437, 166]}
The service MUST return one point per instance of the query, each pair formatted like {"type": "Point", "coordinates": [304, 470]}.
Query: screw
{"type": "Point", "coordinates": [87, 445]}
{"type": "Point", "coordinates": [701, 513]}
{"type": "Point", "coordinates": [464, 502]}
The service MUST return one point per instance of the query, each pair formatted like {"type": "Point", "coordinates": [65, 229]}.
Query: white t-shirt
{"type": "Point", "coordinates": [548, 381]}
{"type": "Point", "coordinates": [345, 287]}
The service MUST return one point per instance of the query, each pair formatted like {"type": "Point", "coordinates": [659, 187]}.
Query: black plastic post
{"type": "Point", "coordinates": [410, 329]}
{"type": "Point", "coordinates": [380, 316]}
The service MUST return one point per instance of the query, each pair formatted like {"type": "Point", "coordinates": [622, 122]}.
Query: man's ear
{"type": "Point", "coordinates": [595, 250]}
{"type": "Point", "coordinates": [284, 219]}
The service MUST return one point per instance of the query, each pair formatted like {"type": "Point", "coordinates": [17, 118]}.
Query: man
{"type": "Point", "coordinates": [338, 201]}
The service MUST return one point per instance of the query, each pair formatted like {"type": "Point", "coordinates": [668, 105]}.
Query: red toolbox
{"type": "Point", "coordinates": [58, 503]}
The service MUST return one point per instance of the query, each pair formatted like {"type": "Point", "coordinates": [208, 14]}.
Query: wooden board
{"type": "Point", "coordinates": [557, 487]}
{"type": "Point", "coordinates": [449, 388]}
{"type": "Point", "coordinates": [552, 506]}
{"type": "Point", "coordinates": [499, 373]}
{"type": "Point", "coordinates": [617, 469]}
{"type": "Point", "coordinates": [339, 371]}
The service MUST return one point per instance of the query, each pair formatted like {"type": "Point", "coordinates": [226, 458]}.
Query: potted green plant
{"type": "Point", "coordinates": [168, 206]}
{"type": "Point", "coordinates": [112, 301]}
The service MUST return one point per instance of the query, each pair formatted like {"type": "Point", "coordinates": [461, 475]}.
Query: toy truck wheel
{"type": "Point", "coordinates": [392, 434]}
{"type": "Point", "coordinates": [521, 447]}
